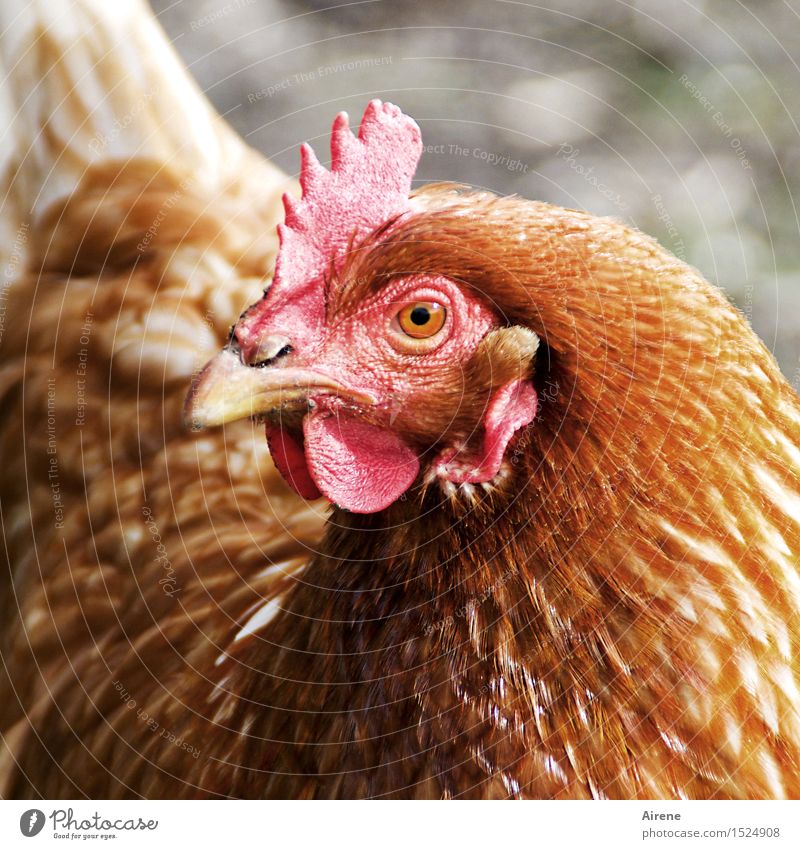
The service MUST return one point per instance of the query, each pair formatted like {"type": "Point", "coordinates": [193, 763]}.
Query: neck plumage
{"type": "Point", "coordinates": [616, 619]}
{"type": "Point", "coordinates": [573, 633]}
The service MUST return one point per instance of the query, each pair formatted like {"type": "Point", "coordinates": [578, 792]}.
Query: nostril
{"type": "Point", "coordinates": [286, 349]}
{"type": "Point", "coordinates": [268, 350]}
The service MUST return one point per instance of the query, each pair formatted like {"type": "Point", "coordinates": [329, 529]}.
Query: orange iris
{"type": "Point", "coordinates": [422, 319]}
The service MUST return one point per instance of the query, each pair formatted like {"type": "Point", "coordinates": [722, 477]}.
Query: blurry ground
{"type": "Point", "coordinates": [680, 117]}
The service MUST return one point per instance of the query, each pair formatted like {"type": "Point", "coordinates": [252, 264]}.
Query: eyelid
{"type": "Point", "coordinates": [403, 299]}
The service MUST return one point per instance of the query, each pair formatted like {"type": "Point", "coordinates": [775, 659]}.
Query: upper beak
{"type": "Point", "coordinates": [227, 389]}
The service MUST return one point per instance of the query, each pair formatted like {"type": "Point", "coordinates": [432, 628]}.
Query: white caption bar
{"type": "Point", "coordinates": [229, 824]}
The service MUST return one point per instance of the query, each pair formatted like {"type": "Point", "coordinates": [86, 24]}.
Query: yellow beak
{"type": "Point", "coordinates": [227, 389]}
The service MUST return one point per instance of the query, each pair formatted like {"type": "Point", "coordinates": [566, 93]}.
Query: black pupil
{"type": "Point", "coordinates": [420, 316]}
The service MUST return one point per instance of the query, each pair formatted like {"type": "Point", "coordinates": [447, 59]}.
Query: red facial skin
{"type": "Point", "coordinates": [364, 455]}
{"type": "Point", "coordinates": [367, 350]}
{"type": "Point", "coordinates": [364, 446]}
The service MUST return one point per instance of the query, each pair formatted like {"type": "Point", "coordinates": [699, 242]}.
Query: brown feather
{"type": "Point", "coordinates": [614, 617]}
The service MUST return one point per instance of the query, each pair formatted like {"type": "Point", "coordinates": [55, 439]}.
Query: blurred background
{"type": "Point", "coordinates": [680, 118]}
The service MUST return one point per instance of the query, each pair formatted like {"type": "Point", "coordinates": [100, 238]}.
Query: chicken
{"type": "Point", "coordinates": [136, 227]}
{"type": "Point", "coordinates": [561, 557]}
{"type": "Point", "coordinates": [562, 561]}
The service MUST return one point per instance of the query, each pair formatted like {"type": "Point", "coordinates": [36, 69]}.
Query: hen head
{"type": "Point", "coordinates": [372, 369]}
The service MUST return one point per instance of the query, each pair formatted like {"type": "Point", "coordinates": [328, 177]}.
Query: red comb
{"type": "Point", "coordinates": [368, 184]}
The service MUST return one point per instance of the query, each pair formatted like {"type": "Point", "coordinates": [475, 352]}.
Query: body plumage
{"type": "Point", "coordinates": [611, 614]}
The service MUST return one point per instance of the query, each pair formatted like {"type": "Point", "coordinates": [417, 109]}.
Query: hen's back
{"type": "Point", "coordinates": [136, 226]}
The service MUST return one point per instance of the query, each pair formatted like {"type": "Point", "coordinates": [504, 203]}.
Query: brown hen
{"type": "Point", "coordinates": [610, 613]}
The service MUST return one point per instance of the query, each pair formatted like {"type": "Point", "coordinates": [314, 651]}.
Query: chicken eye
{"type": "Point", "coordinates": [422, 319]}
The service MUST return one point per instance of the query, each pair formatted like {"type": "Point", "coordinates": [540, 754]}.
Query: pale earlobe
{"type": "Point", "coordinates": [505, 355]}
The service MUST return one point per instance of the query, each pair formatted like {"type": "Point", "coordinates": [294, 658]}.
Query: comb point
{"type": "Point", "coordinates": [290, 208]}
{"type": "Point", "coordinates": [310, 168]}
{"type": "Point", "coordinates": [366, 187]}
{"type": "Point", "coordinates": [371, 117]}
{"type": "Point", "coordinates": [342, 142]}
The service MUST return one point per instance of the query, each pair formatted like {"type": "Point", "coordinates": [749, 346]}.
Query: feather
{"type": "Point", "coordinates": [612, 615]}
{"type": "Point", "coordinates": [139, 227]}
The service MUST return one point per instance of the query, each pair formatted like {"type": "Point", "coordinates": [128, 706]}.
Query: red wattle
{"type": "Point", "coordinates": [290, 459]}
{"type": "Point", "coordinates": [361, 467]}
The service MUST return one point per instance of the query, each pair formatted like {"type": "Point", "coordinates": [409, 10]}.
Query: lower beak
{"type": "Point", "coordinates": [227, 389]}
